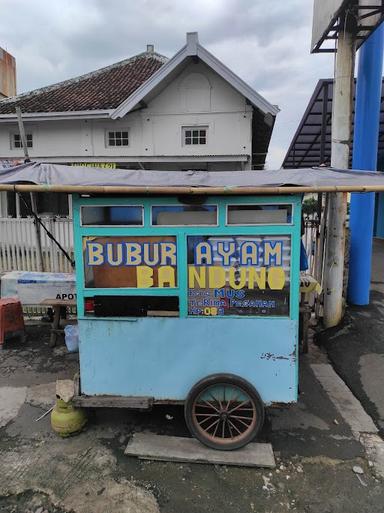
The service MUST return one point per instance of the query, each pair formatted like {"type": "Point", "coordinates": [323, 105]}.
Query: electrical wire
{"type": "Point", "coordinates": [49, 234]}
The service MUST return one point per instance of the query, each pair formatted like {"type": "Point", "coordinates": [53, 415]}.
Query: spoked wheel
{"type": "Point", "coordinates": [224, 412]}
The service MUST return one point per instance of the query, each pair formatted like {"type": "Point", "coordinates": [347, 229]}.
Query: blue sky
{"type": "Point", "coordinates": [266, 42]}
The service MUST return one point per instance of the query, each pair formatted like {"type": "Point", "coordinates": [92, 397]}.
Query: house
{"type": "Point", "coordinates": [149, 112]}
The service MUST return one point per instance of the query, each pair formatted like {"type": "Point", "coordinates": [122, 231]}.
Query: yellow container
{"type": "Point", "coordinates": [66, 420]}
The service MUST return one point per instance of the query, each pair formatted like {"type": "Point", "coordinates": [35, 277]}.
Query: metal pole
{"type": "Point", "coordinates": [22, 133]}
{"type": "Point", "coordinates": [324, 116]}
{"type": "Point", "coordinates": [341, 134]}
{"type": "Point", "coordinates": [192, 190]}
{"type": "Point", "coordinates": [40, 258]}
{"type": "Point", "coordinates": [365, 148]}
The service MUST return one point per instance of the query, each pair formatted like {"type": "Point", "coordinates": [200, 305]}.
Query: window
{"type": "Point", "coordinates": [195, 135]}
{"type": "Point", "coordinates": [259, 214]}
{"type": "Point", "coordinates": [130, 261]}
{"type": "Point", "coordinates": [112, 216]}
{"type": "Point", "coordinates": [242, 275]}
{"type": "Point", "coordinates": [47, 204]}
{"type": "Point", "coordinates": [119, 138]}
{"type": "Point", "coordinates": [16, 141]}
{"type": "Point", "coordinates": [184, 215]}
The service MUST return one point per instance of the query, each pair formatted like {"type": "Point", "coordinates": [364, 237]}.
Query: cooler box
{"type": "Point", "coordinates": [32, 288]}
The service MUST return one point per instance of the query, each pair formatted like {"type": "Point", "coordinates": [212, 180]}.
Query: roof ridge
{"type": "Point", "coordinates": [79, 78]}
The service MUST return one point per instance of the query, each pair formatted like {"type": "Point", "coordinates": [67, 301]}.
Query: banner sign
{"type": "Point", "coordinates": [324, 14]}
{"type": "Point", "coordinates": [103, 165]}
{"type": "Point", "coordinates": [239, 275]}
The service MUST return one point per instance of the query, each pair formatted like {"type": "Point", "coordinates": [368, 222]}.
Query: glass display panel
{"type": "Point", "coordinates": [184, 215]}
{"type": "Point", "coordinates": [112, 216]}
{"type": "Point", "coordinates": [259, 214]}
{"type": "Point", "coordinates": [133, 306]}
{"type": "Point", "coordinates": [130, 261]}
{"type": "Point", "coordinates": [239, 275]}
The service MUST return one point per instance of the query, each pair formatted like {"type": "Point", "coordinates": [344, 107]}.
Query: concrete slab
{"type": "Point", "coordinates": [345, 402]}
{"type": "Point", "coordinates": [188, 450]}
{"type": "Point", "coordinates": [11, 400]}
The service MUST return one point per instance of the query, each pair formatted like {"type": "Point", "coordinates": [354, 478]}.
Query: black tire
{"type": "Point", "coordinates": [254, 414]}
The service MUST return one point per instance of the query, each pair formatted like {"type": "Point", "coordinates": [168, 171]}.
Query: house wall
{"type": "Point", "coordinates": [197, 97]}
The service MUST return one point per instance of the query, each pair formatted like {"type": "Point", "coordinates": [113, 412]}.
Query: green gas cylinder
{"type": "Point", "coordinates": [66, 420]}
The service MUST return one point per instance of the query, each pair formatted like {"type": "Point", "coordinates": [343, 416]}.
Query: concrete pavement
{"type": "Point", "coordinates": [315, 447]}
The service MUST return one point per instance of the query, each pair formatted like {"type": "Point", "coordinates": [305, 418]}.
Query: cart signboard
{"type": "Point", "coordinates": [238, 275]}
{"type": "Point", "coordinates": [131, 262]}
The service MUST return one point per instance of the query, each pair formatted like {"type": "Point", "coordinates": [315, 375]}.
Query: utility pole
{"type": "Point", "coordinates": [341, 138]}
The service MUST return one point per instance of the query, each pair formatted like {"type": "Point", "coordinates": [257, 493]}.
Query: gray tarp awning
{"type": "Point", "coordinates": [52, 175]}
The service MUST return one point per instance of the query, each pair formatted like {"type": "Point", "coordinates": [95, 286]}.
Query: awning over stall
{"type": "Point", "coordinates": [60, 178]}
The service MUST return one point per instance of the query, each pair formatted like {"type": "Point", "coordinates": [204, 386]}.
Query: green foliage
{"type": "Point", "coordinates": [309, 206]}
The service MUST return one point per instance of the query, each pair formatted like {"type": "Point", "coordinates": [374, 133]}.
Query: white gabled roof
{"type": "Point", "coordinates": [194, 49]}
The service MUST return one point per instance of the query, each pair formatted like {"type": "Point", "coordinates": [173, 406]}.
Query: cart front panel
{"type": "Point", "coordinates": [164, 358]}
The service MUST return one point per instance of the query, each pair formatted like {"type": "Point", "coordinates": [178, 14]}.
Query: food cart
{"type": "Point", "coordinates": [192, 300]}
{"type": "Point", "coordinates": [188, 286]}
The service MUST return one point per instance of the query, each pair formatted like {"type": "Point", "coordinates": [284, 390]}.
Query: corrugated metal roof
{"type": "Point", "coordinates": [311, 144]}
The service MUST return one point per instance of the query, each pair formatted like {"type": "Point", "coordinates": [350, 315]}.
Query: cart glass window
{"type": "Point", "coordinates": [259, 214]}
{"type": "Point", "coordinates": [239, 275]}
{"type": "Point", "coordinates": [112, 215]}
{"type": "Point", "coordinates": [184, 215]}
{"type": "Point", "coordinates": [130, 261]}
{"type": "Point", "coordinates": [132, 306]}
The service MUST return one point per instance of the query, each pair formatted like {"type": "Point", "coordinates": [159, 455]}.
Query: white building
{"type": "Point", "coordinates": [188, 112]}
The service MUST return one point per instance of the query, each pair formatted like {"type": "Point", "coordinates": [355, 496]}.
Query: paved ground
{"type": "Point", "coordinates": [356, 347]}
{"type": "Point", "coordinates": [314, 445]}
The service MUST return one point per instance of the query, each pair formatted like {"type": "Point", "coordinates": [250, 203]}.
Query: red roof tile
{"type": "Point", "coordinates": [102, 89]}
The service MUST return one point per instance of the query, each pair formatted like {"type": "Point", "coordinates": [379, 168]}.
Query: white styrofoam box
{"type": "Point", "coordinates": [33, 287]}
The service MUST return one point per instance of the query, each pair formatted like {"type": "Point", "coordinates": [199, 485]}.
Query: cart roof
{"type": "Point", "coordinates": [45, 177]}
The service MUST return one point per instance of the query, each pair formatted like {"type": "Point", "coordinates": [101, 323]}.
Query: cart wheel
{"type": "Point", "coordinates": [223, 411]}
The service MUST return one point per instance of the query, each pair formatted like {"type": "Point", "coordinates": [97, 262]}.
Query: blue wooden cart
{"type": "Point", "coordinates": [190, 300]}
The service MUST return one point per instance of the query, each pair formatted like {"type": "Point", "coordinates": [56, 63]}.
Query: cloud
{"type": "Point", "coordinates": [266, 42]}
